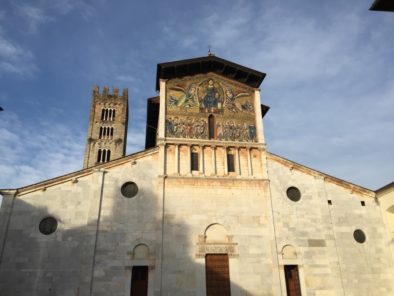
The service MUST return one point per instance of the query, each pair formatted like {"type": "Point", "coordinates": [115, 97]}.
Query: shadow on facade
{"type": "Point", "coordinates": [97, 244]}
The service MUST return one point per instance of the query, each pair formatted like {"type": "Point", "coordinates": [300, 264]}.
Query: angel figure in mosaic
{"type": "Point", "coordinates": [188, 99]}
{"type": "Point", "coordinates": [234, 105]}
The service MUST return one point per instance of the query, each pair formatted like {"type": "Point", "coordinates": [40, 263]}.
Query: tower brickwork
{"type": "Point", "coordinates": [107, 133]}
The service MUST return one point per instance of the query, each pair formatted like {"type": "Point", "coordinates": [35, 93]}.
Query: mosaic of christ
{"type": "Point", "coordinates": [209, 96]}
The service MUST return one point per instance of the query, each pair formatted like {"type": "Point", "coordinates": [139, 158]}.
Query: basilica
{"type": "Point", "coordinates": [204, 209]}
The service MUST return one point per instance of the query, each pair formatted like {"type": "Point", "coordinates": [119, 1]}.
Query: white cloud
{"type": "Point", "coordinates": [14, 59]}
{"type": "Point", "coordinates": [34, 16]}
{"type": "Point", "coordinates": [34, 152]}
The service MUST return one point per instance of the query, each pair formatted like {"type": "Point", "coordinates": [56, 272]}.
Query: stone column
{"type": "Point", "coordinates": [177, 159]}
{"type": "Point", "coordinates": [259, 120]}
{"type": "Point", "coordinates": [214, 160]}
{"type": "Point", "coordinates": [162, 112]}
{"type": "Point", "coordinates": [237, 161]}
{"type": "Point", "coordinates": [225, 160]}
{"type": "Point", "coordinates": [202, 160]}
{"type": "Point", "coordinates": [249, 162]}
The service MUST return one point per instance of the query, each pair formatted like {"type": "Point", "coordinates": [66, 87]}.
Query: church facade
{"type": "Point", "coordinates": [205, 209]}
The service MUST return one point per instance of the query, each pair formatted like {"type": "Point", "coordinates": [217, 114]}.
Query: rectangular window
{"type": "Point", "coordinates": [292, 280]}
{"type": "Point", "coordinates": [139, 281]}
{"type": "Point", "coordinates": [230, 163]}
{"type": "Point", "coordinates": [194, 161]}
{"type": "Point", "coordinates": [217, 275]}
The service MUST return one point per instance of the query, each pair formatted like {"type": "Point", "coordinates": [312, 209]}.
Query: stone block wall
{"type": "Point", "coordinates": [320, 226]}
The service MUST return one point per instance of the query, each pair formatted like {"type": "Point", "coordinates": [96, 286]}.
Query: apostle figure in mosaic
{"type": "Point", "coordinates": [188, 99]}
{"type": "Point", "coordinates": [234, 105]}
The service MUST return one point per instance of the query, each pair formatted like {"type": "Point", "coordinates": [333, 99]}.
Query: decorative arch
{"type": "Point", "coordinates": [216, 240]}
{"type": "Point", "coordinates": [289, 252]}
{"type": "Point", "coordinates": [216, 233]}
{"type": "Point", "coordinates": [141, 252]}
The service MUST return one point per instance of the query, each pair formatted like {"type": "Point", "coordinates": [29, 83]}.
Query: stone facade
{"type": "Point", "coordinates": [186, 209]}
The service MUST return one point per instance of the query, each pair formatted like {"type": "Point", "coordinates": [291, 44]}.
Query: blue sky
{"type": "Point", "coordinates": [329, 65]}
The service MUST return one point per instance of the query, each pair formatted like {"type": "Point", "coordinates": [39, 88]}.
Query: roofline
{"type": "Point", "coordinates": [211, 58]}
{"type": "Point", "coordinates": [81, 173]}
{"type": "Point", "coordinates": [332, 179]}
{"type": "Point", "coordinates": [387, 186]}
{"type": "Point", "coordinates": [382, 5]}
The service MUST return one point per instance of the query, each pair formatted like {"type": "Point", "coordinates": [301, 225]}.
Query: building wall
{"type": "Point", "coordinates": [386, 201]}
{"type": "Point", "coordinates": [331, 261]}
{"type": "Point", "coordinates": [242, 208]}
{"type": "Point", "coordinates": [126, 223]}
{"type": "Point", "coordinates": [56, 264]}
{"type": "Point", "coordinates": [98, 231]}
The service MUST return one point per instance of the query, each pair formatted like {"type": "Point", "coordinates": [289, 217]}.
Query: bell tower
{"type": "Point", "coordinates": [107, 133]}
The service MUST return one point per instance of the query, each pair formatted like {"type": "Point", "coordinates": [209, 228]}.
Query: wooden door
{"type": "Point", "coordinates": [139, 281]}
{"type": "Point", "coordinates": [217, 275]}
{"type": "Point", "coordinates": [292, 280]}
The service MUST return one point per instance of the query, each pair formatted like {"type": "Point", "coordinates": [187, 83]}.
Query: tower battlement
{"type": "Point", "coordinates": [106, 95]}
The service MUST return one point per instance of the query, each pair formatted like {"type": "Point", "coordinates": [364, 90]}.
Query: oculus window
{"type": "Point", "coordinates": [129, 189]}
{"type": "Point", "coordinates": [48, 225]}
{"type": "Point", "coordinates": [359, 236]}
{"type": "Point", "coordinates": [293, 193]}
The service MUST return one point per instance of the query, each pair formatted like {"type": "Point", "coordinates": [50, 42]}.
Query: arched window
{"type": "Point", "coordinates": [106, 132]}
{"type": "Point", "coordinates": [108, 114]}
{"type": "Point", "coordinates": [194, 159]}
{"type": "Point", "coordinates": [211, 126]}
{"type": "Point", "coordinates": [99, 155]}
{"type": "Point", "coordinates": [230, 161]}
{"type": "Point", "coordinates": [108, 155]}
{"type": "Point", "coordinates": [103, 155]}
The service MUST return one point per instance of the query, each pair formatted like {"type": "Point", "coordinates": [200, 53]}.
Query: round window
{"type": "Point", "coordinates": [359, 236]}
{"type": "Point", "coordinates": [48, 225]}
{"type": "Point", "coordinates": [129, 189]}
{"type": "Point", "coordinates": [293, 194]}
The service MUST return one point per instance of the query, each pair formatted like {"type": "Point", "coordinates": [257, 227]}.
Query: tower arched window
{"type": "Point", "coordinates": [106, 132]}
{"type": "Point", "coordinates": [108, 155]}
{"type": "Point", "coordinates": [99, 155]}
{"type": "Point", "coordinates": [108, 114]}
{"type": "Point", "coordinates": [211, 126]}
{"type": "Point", "coordinates": [103, 155]}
